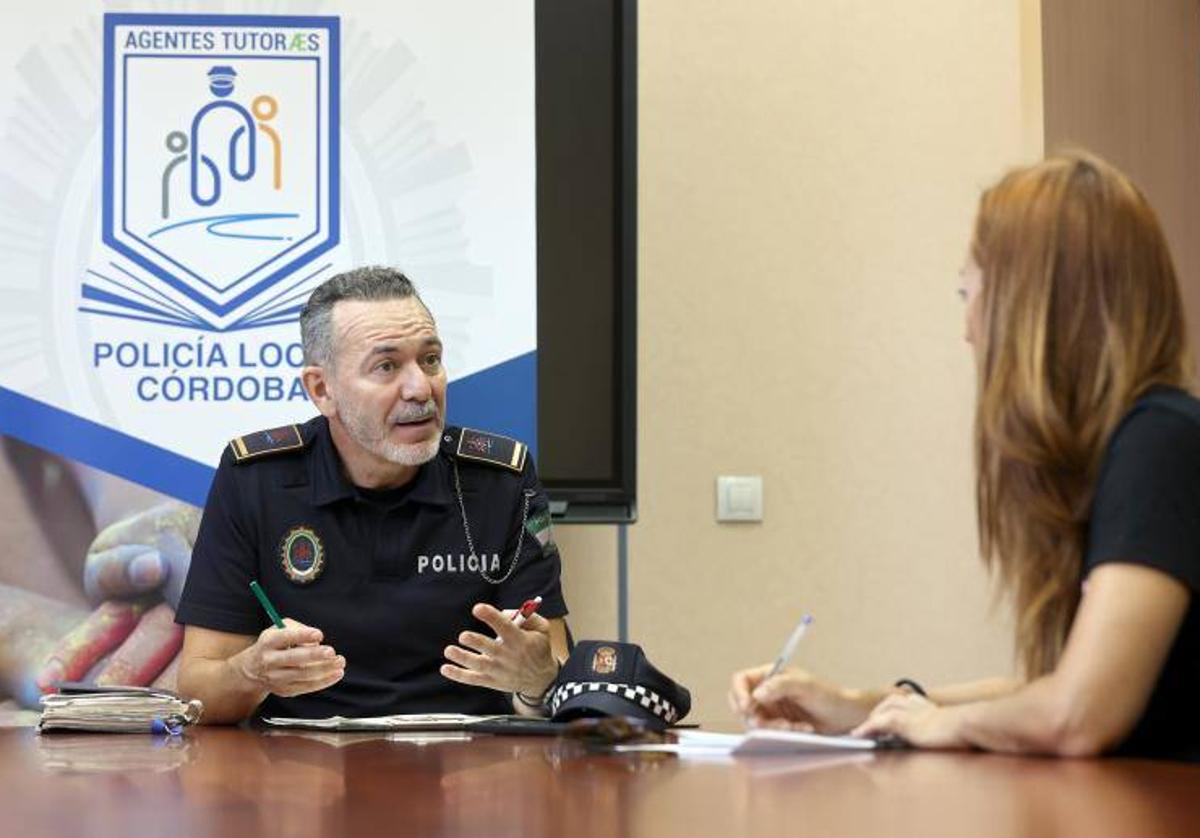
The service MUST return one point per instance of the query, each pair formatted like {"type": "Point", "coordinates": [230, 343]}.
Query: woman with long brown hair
{"type": "Point", "coordinates": [1087, 450]}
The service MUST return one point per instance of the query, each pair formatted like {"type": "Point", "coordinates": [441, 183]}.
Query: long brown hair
{"type": "Point", "coordinates": [1081, 316]}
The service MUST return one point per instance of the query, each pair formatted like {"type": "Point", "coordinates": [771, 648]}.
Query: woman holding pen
{"type": "Point", "coordinates": [1087, 451]}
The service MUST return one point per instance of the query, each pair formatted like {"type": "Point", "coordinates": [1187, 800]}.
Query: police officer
{"type": "Point", "coordinates": [391, 543]}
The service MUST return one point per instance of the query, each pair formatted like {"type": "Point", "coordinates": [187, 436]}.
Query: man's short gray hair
{"type": "Point", "coordinates": [373, 282]}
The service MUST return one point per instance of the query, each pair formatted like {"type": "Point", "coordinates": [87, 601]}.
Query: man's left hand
{"type": "Point", "coordinates": [517, 659]}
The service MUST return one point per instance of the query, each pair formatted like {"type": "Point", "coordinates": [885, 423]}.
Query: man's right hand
{"type": "Point", "coordinates": [794, 699]}
{"type": "Point", "coordinates": [290, 661]}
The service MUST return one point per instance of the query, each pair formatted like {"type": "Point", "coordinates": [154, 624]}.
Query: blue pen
{"type": "Point", "coordinates": [789, 648]}
{"type": "Point", "coordinates": [164, 727]}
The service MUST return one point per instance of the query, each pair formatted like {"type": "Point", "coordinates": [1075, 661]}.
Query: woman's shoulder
{"type": "Point", "coordinates": [1165, 422]}
{"type": "Point", "coordinates": [1146, 509]}
{"type": "Point", "coordinates": [1168, 400]}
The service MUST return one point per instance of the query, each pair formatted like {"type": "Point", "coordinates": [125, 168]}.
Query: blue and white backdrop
{"type": "Point", "coordinates": [175, 184]}
{"type": "Point", "coordinates": [175, 179]}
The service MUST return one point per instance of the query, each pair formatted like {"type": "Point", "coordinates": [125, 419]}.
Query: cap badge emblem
{"type": "Point", "coordinates": [604, 661]}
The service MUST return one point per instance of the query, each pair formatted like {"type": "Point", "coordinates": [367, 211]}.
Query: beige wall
{"type": "Point", "coordinates": [808, 173]}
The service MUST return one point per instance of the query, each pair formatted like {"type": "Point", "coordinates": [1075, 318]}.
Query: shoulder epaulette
{"type": "Point", "coordinates": [263, 443]}
{"type": "Point", "coordinates": [492, 448]}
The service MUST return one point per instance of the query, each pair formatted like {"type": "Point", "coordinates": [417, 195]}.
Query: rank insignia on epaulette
{"type": "Point", "coordinates": [270, 441]}
{"type": "Point", "coordinates": [492, 448]}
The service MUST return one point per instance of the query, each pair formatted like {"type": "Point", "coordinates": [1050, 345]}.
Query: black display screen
{"type": "Point", "coordinates": [586, 238]}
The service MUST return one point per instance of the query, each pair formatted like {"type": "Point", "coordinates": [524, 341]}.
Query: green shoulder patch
{"type": "Point", "coordinates": [492, 448]}
{"type": "Point", "coordinates": [539, 527]}
{"type": "Point", "coordinates": [263, 443]}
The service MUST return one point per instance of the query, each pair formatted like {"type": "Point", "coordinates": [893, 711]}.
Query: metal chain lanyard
{"type": "Point", "coordinates": [462, 507]}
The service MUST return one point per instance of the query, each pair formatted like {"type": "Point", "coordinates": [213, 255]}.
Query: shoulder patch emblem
{"type": "Point", "coordinates": [262, 443]}
{"type": "Point", "coordinates": [302, 555]}
{"type": "Point", "coordinates": [492, 448]}
{"type": "Point", "coordinates": [539, 526]}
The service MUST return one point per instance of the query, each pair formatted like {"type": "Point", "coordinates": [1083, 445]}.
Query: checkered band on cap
{"type": "Point", "coordinates": [636, 693]}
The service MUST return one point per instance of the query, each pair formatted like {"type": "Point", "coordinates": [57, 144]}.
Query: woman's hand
{"type": "Point", "coordinates": [916, 720]}
{"type": "Point", "coordinates": [794, 699]}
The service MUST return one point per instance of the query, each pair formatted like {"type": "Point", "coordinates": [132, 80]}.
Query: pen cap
{"type": "Point", "coordinates": [606, 678]}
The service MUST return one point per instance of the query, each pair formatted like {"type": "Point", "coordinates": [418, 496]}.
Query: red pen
{"type": "Point", "coordinates": [527, 610]}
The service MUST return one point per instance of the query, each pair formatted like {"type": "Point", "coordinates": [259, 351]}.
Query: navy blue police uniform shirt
{"type": "Point", "coordinates": [386, 575]}
{"type": "Point", "coordinates": [1146, 511]}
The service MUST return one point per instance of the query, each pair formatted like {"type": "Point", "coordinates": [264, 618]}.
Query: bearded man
{"type": "Point", "coordinates": [395, 547]}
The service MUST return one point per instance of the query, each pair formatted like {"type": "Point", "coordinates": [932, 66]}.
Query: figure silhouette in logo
{"type": "Point", "coordinates": [177, 144]}
{"type": "Point", "coordinates": [241, 139]}
{"type": "Point", "coordinates": [265, 107]}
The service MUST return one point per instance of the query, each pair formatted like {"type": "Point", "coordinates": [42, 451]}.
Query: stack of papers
{"type": "Point", "coordinates": [405, 721]}
{"type": "Point", "coordinates": [118, 710]}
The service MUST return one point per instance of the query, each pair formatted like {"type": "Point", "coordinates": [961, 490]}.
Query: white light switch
{"type": "Point", "coordinates": [739, 498]}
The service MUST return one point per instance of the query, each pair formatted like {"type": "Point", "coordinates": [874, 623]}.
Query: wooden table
{"type": "Point", "coordinates": [233, 782]}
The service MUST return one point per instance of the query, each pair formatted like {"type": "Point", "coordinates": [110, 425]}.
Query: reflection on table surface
{"type": "Point", "coordinates": [243, 782]}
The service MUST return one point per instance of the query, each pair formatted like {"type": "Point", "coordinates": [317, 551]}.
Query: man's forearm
{"type": "Point", "coordinates": [228, 696]}
{"type": "Point", "coordinates": [558, 654]}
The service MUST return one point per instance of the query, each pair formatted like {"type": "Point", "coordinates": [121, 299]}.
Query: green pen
{"type": "Point", "coordinates": [266, 604]}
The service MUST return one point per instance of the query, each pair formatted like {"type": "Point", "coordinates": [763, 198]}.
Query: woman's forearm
{"type": "Point", "coordinates": [969, 692]}
{"type": "Point", "coordinates": [1039, 719]}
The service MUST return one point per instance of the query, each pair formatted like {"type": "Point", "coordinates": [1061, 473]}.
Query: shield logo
{"type": "Point", "coordinates": [604, 661]}
{"type": "Point", "coordinates": [220, 173]}
{"type": "Point", "coordinates": [302, 555]}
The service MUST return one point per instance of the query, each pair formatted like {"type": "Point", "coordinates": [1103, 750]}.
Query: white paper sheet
{"type": "Point", "coordinates": [794, 742]}
{"type": "Point", "coordinates": [703, 744]}
{"type": "Point", "coordinates": [408, 721]}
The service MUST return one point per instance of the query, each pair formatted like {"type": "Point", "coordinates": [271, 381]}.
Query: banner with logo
{"type": "Point", "coordinates": [175, 179]}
